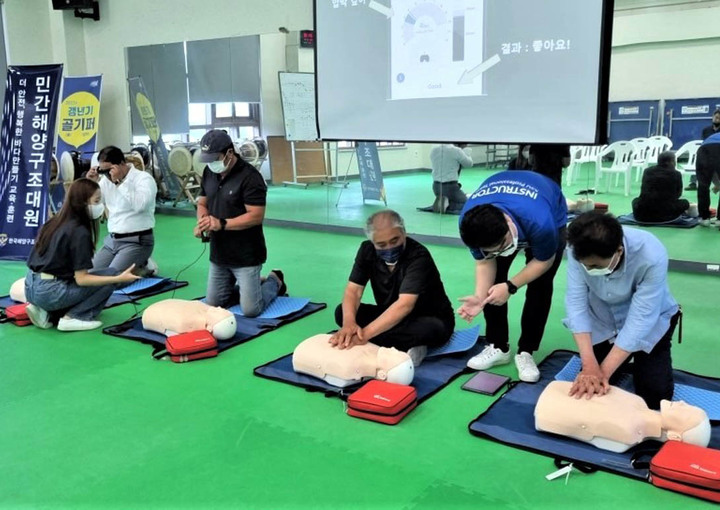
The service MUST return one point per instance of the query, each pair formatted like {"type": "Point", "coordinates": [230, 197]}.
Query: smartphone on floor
{"type": "Point", "coordinates": [486, 383]}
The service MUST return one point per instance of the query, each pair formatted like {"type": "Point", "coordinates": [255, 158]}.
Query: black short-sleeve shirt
{"type": "Point", "coordinates": [415, 273]}
{"type": "Point", "coordinates": [549, 159]}
{"type": "Point", "coordinates": [70, 249]}
{"type": "Point", "coordinates": [227, 198]}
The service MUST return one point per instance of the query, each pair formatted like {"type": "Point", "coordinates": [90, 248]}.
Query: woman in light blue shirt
{"type": "Point", "coordinates": [619, 307]}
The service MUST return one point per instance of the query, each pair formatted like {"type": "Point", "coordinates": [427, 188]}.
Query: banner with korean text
{"type": "Point", "coordinates": [371, 178]}
{"type": "Point", "coordinates": [28, 125]}
{"type": "Point", "coordinates": [79, 115]}
{"type": "Point", "coordinates": [144, 107]}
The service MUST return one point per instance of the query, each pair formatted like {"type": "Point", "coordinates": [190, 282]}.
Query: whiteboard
{"type": "Point", "coordinates": [297, 95]}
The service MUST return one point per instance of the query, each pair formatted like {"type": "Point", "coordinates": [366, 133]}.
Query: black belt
{"type": "Point", "coordinates": [132, 234]}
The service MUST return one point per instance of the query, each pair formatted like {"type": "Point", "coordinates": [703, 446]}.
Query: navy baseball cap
{"type": "Point", "coordinates": [214, 143]}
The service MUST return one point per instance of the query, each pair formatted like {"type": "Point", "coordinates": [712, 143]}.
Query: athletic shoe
{"type": "Point", "coordinates": [417, 354]}
{"type": "Point", "coordinates": [709, 222]}
{"type": "Point", "coordinates": [38, 316]}
{"type": "Point", "coordinates": [77, 325]}
{"type": "Point", "coordinates": [691, 187]}
{"type": "Point", "coordinates": [282, 291]}
{"type": "Point", "coordinates": [526, 367]}
{"type": "Point", "coordinates": [489, 357]}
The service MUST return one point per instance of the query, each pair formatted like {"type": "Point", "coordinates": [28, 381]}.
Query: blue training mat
{"type": "Point", "coordinates": [708, 401]}
{"type": "Point", "coordinates": [430, 377]}
{"type": "Point", "coordinates": [510, 420]}
{"type": "Point", "coordinates": [679, 222]}
{"type": "Point", "coordinates": [278, 307]}
{"type": "Point", "coordinates": [461, 340]}
{"type": "Point", "coordinates": [247, 328]}
{"type": "Point", "coordinates": [141, 285]}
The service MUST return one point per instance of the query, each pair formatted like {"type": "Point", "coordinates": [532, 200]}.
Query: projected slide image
{"type": "Point", "coordinates": [437, 48]}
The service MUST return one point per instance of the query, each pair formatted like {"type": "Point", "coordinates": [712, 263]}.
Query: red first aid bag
{"type": "Point", "coordinates": [190, 346]}
{"type": "Point", "coordinates": [686, 468]}
{"type": "Point", "coordinates": [382, 402]}
{"type": "Point", "coordinates": [16, 314]}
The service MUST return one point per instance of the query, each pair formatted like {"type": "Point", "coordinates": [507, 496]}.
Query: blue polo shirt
{"type": "Point", "coordinates": [712, 139]}
{"type": "Point", "coordinates": [534, 202]}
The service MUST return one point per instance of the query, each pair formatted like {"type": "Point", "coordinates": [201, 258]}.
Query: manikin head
{"type": "Point", "coordinates": [220, 322]}
{"type": "Point", "coordinates": [394, 366]}
{"type": "Point", "coordinates": [683, 422]}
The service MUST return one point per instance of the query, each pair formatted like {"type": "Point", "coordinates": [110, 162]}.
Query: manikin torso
{"type": "Point", "coordinates": [342, 367]}
{"type": "Point", "coordinates": [172, 316]}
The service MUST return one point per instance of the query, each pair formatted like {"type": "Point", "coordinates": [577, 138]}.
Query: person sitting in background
{"type": "Point", "coordinates": [447, 161]}
{"type": "Point", "coordinates": [660, 192]}
{"type": "Point", "coordinates": [707, 132]}
{"type": "Point", "coordinates": [61, 281]}
{"type": "Point", "coordinates": [412, 310]}
{"type": "Point", "coordinates": [522, 160]}
{"type": "Point", "coordinates": [129, 196]}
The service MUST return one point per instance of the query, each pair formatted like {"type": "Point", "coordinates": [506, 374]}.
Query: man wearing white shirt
{"type": "Point", "coordinates": [129, 196]}
{"type": "Point", "coordinates": [447, 160]}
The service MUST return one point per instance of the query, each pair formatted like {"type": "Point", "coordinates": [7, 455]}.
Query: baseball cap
{"type": "Point", "coordinates": [214, 143]}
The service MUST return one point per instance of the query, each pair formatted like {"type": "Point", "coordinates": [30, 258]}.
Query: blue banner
{"type": "Point", "coordinates": [28, 124]}
{"type": "Point", "coordinates": [144, 107]}
{"type": "Point", "coordinates": [371, 179]}
{"type": "Point", "coordinates": [79, 115]}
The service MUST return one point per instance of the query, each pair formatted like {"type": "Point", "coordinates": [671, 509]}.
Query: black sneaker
{"type": "Point", "coordinates": [691, 187]}
{"type": "Point", "coordinates": [282, 291]}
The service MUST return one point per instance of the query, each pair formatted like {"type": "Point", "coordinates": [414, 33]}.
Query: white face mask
{"type": "Point", "coordinates": [602, 271]}
{"type": "Point", "coordinates": [217, 167]}
{"type": "Point", "coordinates": [95, 211]}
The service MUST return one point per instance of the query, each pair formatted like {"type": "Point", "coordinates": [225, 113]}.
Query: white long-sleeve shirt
{"type": "Point", "coordinates": [131, 204]}
{"type": "Point", "coordinates": [446, 162]}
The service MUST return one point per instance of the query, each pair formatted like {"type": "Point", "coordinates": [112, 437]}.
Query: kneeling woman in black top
{"type": "Point", "coordinates": [58, 283]}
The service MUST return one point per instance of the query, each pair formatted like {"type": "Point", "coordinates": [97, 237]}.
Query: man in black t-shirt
{"type": "Point", "coordinates": [230, 212]}
{"type": "Point", "coordinates": [707, 132]}
{"type": "Point", "coordinates": [549, 159]}
{"type": "Point", "coordinates": [412, 310]}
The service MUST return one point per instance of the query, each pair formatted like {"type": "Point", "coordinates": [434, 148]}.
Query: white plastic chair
{"type": "Point", "coordinates": [658, 144]}
{"type": "Point", "coordinates": [663, 142]}
{"type": "Point", "coordinates": [580, 154]}
{"type": "Point", "coordinates": [641, 148]}
{"type": "Point", "coordinates": [690, 149]}
{"type": "Point", "coordinates": [621, 164]}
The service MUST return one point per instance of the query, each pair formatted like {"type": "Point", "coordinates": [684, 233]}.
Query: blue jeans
{"type": "Point", "coordinates": [255, 295]}
{"type": "Point", "coordinates": [62, 297]}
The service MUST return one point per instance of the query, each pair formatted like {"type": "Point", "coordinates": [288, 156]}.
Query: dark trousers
{"type": "Point", "coordinates": [708, 163]}
{"type": "Point", "coordinates": [652, 211]}
{"type": "Point", "coordinates": [410, 332]}
{"type": "Point", "coordinates": [451, 190]}
{"type": "Point", "coordinates": [536, 309]}
{"type": "Point", "coordinates": [652, 372]}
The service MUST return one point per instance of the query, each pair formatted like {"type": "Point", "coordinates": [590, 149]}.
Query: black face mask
{"type": "Point", "coordinates": [716, 124]}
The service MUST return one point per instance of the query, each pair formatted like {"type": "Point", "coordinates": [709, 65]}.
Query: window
{"type": "Point", "coordinates": [240, 120]}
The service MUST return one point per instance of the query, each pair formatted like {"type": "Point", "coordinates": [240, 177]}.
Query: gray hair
{"type": "Point", "coordinates": [390, 215]}
{"type": "Point", "coordinates": [666, 158]}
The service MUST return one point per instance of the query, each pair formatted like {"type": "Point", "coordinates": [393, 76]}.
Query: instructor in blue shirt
{"type": "Point", "coordinates": [509, 212]}
{"type": "Point", "coordinates": [619, 306]}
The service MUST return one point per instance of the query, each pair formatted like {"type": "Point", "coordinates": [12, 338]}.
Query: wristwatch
{"type": "Point", "coordinates": [223, 222]}
{"type": "Point", "coordinates": [512, 288]}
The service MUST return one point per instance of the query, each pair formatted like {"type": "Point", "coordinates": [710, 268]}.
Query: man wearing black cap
{"type": "Point", "coordinates": [230, 212]}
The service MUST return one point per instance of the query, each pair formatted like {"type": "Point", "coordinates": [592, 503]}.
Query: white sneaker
{"type": "Point", "coordinates": [417, 354]}
{"type": "Point", "coordinates": [38, 316]}
{"type": "Point", "coordinates": [526, 367]}
{"type": "Point", "coordinates": [489, 357]}
{"type": "Point", "coordinates": [709, 222]}
{"type": "Point", "coordinates": [77, 325]}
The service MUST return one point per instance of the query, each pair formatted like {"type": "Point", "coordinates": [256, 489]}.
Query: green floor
{"type": "Point", "coordinates": [92, 421]}
{"type": "Point", "coordinates": [405, 192]}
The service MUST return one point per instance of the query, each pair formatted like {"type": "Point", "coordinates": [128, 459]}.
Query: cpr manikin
{"type": "Point", "coordinates": [17, 291]}
{"type": "Point", "coordinates": [619, 419]}
{"type": "Point", "coordinates": [173, 316]}
{"type": "Point", "coordinates": [343, 367]}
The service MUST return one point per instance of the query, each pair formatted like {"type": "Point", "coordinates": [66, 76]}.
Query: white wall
{"type": "Point", "coordinates": [666, 53]}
